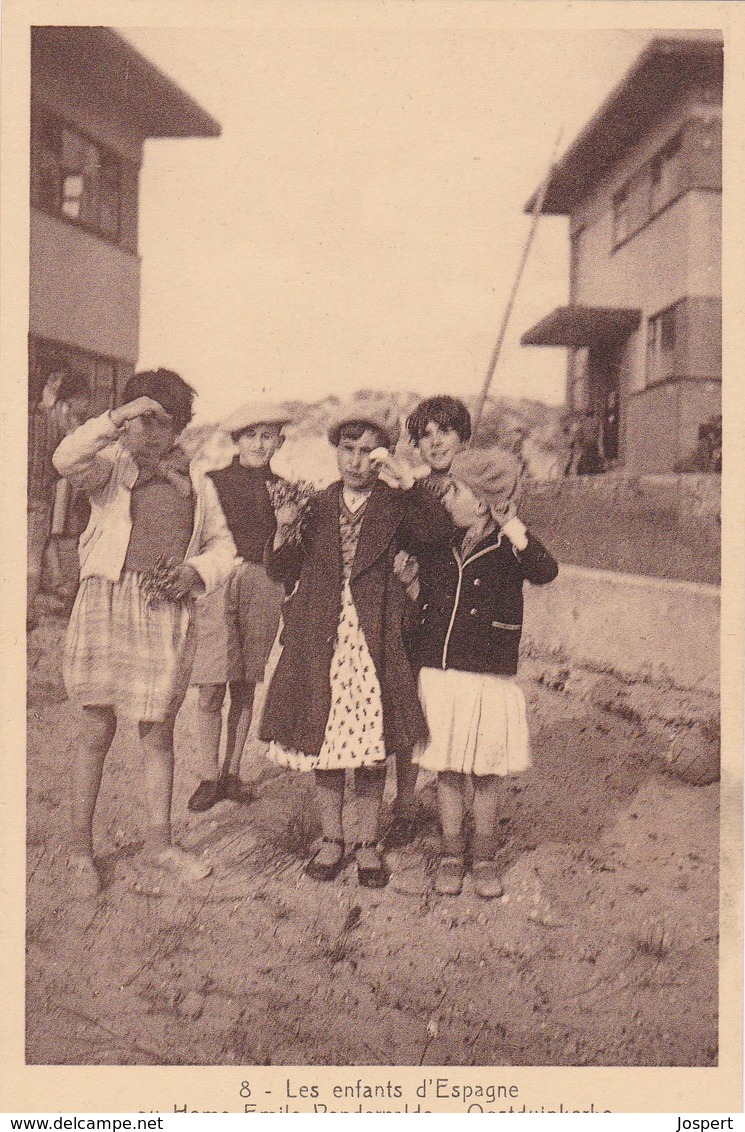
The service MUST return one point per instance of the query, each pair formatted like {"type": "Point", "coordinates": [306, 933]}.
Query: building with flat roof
{"type": "Point", "coordinates": [94, 101]}
{"type": "Point", "coordinates": [642, 189]}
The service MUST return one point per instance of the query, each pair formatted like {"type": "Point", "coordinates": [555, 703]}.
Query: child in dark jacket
{"type": "Point", "coordinates": [471, 607]}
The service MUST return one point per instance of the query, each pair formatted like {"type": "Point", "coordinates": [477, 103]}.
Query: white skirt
{"type": "Point", "coordinates": [477, 723]}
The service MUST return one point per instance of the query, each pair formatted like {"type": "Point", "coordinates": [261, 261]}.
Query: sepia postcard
{"type": "Point", "coordinates": [370, 377]}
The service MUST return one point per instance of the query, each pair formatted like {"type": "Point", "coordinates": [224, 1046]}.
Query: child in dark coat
{"type": "Point", "coordinates": [344, 695]}
{"type": "Point", "coordinates": [471, 607]}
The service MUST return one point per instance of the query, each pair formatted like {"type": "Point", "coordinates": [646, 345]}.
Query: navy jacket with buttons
{"type": "Point", "coordinates": [471, 611]}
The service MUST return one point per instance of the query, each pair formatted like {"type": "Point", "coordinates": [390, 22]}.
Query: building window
{"type": "Point", "coordinates": [661, 339]}
{"type": "Point", "coordinates": [45, 357]}
{"type": "Point", "coordinates": [621, 226]}
{"type": "Point", "coordinates": [665, 175]}
{"type": "Point", "coordinates": [72, 176]}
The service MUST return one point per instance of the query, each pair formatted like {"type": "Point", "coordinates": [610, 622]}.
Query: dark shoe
{"type": "Point", "coordinates": [371, 876]}
{"type": "Point", "coordinates": [487, 882]}
{"type": "Point", "coordinates": [401, 831]}
{"type": "Point", "coordinates": [235, 790]}
{"type": "Point", "coordinates": [209, 792]}
{"type": "Point", "coordinates": [320, 871]}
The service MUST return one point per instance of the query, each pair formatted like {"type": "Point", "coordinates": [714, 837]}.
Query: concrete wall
{"type": "Point", "coordinates": [664, 526]}
{"type": "Point", "coordinates": [661, 425]}
{"type": "Point", "coordinates": [84, 291]}
{"type": "Point", "coordinates": [638, 627]}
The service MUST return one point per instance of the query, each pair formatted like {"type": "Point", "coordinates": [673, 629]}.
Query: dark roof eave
{"type": "Point", "coordinates": [577, 326]}
{"type": "Point", "coordinates": [662, 70]}
{"type": "Point", "coordinates": [101, 58]}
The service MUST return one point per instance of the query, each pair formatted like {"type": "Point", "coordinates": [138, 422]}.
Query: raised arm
{"type": "Point", "coordinates": [538, 566]}
{"type": "Point", "coordinates": [82, 456]}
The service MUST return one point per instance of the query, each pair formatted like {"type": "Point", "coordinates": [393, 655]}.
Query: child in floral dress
{"type": "Point", "coordinates": [344, 693]}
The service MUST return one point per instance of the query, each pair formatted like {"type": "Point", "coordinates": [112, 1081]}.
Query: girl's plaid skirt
{"type": "Point", "coordinates": [122, 652]}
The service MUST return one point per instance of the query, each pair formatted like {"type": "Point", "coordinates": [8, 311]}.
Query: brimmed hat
{"type": "Point", "coordinates": [378, 412]}
{"type": "Point", "coordinates": [492, 474]}
{"type": "Point", "coordinates": [256, 413]}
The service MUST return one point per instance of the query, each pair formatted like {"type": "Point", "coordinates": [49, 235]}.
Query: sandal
{"type": "Point", "coordinates": [321, 871]}
{"type": "Point", "coordinates": [371, 876]}
{"type": "Point", "coordinates": [182, 863]}
{"type": "Point", "coordinates": [487, 882]}
{"type": "Point", "coordinates": [450, 874]}
{"type": "Point", "coordinates": [86, 883]}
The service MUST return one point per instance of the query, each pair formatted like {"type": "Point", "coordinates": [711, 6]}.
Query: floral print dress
{"type": "Point", "coordinates": [354, 731]}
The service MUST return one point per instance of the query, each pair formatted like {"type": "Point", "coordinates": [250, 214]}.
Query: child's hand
{"type": "Point", "coordinates": [396, 473]}
{"type": "Point", "coordinates": [287, 517]}
{"type": "Point", "coordinates": [186, 580]}
{"type": "Point", "coordinates": [140, 407]}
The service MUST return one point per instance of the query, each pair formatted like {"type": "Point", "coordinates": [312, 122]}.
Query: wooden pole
{"type": "Point", "coordinates": [540, 197]}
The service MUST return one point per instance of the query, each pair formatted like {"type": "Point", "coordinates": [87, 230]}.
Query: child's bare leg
{"type": "Point", "coordinates": [330, 798]}
{"type": "Point", "coordinates": [451, 803]}
{"type": "Point", "coordinates": [209, 729]}
{"type": "Point", "coordinates": [451, 787]}
{"type": "Point", "coordinates": [209, 726]}
{"type": "Point", "coordinates": [485, 799]}
{"type": "Point", "coordinates": [239, 722]}
{"type": "Point", "coordinates": [97, 729]}
{"type": "Point", "coordinates": [487, 881]}
{"type": "Point", "coordinates": [157, 746]}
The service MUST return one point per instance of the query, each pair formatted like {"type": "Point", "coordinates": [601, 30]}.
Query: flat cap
{"type": "Point", "coordinates": [376, 412]}
{"type": "Point", "coordinates": [256, 413]}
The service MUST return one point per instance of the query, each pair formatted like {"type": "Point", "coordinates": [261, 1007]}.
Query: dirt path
{"type": "Point", "coordinates": [603, 950]}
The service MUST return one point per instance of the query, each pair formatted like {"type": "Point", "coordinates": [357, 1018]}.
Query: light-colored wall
{"type": "Point", "coordinates": [635, 626]}
{"type": "Point", "coordinates": [84, 291]}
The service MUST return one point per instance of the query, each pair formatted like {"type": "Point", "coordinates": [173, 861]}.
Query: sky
{"type": "Point", "coordinates": [360, 221]}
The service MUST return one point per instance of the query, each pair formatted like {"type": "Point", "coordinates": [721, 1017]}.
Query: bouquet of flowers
{"type": "Point", "coordinates": [157, 582]}
{"type": "Point", "coordinates": [300, 494]}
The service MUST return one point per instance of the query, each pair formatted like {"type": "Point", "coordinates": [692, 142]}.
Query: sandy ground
{"type": "Point", "coordinates": [603, 950]}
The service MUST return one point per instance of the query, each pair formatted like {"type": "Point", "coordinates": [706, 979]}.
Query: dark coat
{"type": "Point", "coordinates": [299, 697]}
{"type": "Point", "coordinates": [471, 612]}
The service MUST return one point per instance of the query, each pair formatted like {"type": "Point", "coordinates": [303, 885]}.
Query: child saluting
{"type": "Point", "coordinates": [126, 656]}
{"type": "Point", "coordinates": [471, 611]}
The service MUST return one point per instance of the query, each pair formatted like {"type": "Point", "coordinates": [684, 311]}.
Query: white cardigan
{"type": "Point", "coordinates": [94, 460]}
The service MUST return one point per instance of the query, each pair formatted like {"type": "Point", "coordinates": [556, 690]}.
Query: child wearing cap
{"type": "Point", "coordinates": [344, 692]}
{"type": "Point", "coordinates": [126, 657]}
{"type": "Point", "coordinates": [237, 624]}
{"type": "Point", "coordinates": [471, 607]}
